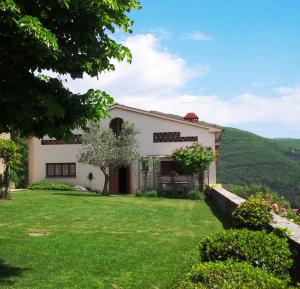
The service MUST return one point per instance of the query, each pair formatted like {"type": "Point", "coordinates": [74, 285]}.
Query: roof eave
{"type": "Point", "coordinates": [211, 128]}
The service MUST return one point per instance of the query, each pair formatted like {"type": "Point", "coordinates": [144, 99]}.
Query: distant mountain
{"type": "Point", "coordinates": [247, 158]}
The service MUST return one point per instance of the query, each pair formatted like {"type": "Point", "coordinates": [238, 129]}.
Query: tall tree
{"type": "Point", "coordinates": [109, 151]}
{"type": "Point", "coordinates": [196, 159]}
{"type": "Point", "coordinates": [10, 156]}
{"type": "Point", "coordinates": [66, 37]}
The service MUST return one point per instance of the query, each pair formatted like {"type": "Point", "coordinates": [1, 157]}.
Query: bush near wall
{"type": "Point", "coordinates": [254, 214]}
{"type": "Point", "coordinates": [42, 185]}
{"type": "Point", "coordinates": [280, 205]}
{"type": "Point", "coordinates": [148, 194]}
{"type": "Point", "coordinates": [195, 195]}
{"type": "Point", "coordinates": [231, 275]}
{"type": "Point", "coordinates": [190, 195]}
{"type": "Point", "coordinates": [258, 248]}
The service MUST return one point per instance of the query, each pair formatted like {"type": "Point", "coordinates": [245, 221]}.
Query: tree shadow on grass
{"type": "Point", "coordinates": [7, 271]}
{"type": "Point", "coordinates": [226, 220]}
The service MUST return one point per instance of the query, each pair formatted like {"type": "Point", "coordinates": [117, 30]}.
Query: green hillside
{"type": "Point", "coordinates": [247, 158]}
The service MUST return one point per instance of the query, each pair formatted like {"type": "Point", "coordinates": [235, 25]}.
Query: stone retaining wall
{"type": "Point", "coordinates": [226, 202]}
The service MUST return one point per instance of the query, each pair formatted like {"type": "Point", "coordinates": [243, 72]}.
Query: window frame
{"type": "Point", "coordinates": [61, 175]}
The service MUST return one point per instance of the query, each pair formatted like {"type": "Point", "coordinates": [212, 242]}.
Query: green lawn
{"type": "Point", "coordinates": [74, 240]}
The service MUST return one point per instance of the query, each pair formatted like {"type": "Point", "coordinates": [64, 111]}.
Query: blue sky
{"type": "Point", "coordinates": [252, 41]}
{"type": "Point", "coordinates": [235, 63]}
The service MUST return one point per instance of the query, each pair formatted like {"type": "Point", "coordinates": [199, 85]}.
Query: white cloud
{"type": "Point", "coordinates": [196, 35]}
{"type": "Point", "coordinates": [152, 70]}
{"type": "Point", "coordinates": [155, 81]}
{"type": "Point", "coordinates": [243, 109]}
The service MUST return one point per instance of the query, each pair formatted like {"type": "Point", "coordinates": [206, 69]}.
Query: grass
{"type": "Point", "coordinates": [74, 240]}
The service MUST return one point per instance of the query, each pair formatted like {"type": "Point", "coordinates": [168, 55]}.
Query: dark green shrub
{"type": "Point", "coordinates": [230, 275]}
{"type": "Point", "coordinates": [50, 186]}
{"type": "Point", "coordinates": [195, 195]}
{"type": "Point", "coordinates": [259, 248]}
{"type": "Point", "coordinates": [151, 194]}
{"type": "Point", "coordinates": [139, 193]}
{"type": "Point", "coordinates": [254, 214]}
{"type": "Point", "coordinates": [14, 177]}
{"type": "Point", "coordinates": [180, 193]}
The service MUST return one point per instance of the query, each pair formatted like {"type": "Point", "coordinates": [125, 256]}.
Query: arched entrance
{"type": "Point", "coordinates": [116, 125]}
{"type": "Point", "coordinates": [119, 181]}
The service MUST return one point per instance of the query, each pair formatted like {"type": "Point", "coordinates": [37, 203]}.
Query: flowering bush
{"type": "Point", "coordinates": [280, 206]}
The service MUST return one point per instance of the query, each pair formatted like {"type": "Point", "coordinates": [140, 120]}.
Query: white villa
{"type": "Point", "coordinates": [159, 135]}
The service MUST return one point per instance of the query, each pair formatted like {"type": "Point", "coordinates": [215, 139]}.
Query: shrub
{"type": "Point", "coordinates": [14, 177]}
{"type": "Point", "coordinates": [50, 186]}
{"type": "Point", "coordinates": [263, 250]}
{"type": "Point", "coordinates": [195, 195]}
{"type": "Point", "coordinates": [253, 214]}
{"type": "Point", "coordinates": [139, 193]}
{"type": "Point", "coordinates": [151, 194]}
{"type": "Point", "coordinates": [280, 206]}
{"type": "Point", "coordinates": [230, 275]}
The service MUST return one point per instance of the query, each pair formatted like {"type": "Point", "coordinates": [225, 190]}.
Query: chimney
{"type": "Point", "coordinates": [191, 116]}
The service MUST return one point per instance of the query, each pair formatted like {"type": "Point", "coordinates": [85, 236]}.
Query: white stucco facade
{"type": "Point", "coordinates": [146, 123]}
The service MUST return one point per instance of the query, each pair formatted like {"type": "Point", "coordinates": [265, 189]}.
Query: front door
{"type": "Point", "coordinates": [119, 182]}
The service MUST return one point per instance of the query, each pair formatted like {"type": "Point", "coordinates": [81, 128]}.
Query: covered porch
{"type": "Point", "coordinates": [166, 176]}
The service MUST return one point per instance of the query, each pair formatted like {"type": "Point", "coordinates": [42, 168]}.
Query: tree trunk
{"type": "Point", "coordinates": [105, 191]}
{"type": "Point", "coordinates": [5, 193]}
{"type": "Point", "coordinates": [201, 180]}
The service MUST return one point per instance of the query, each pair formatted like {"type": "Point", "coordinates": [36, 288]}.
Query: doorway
{"type": "Point", "coordinates": [119, 182]}
{"type": "Point", "coordinates": [123, 180]}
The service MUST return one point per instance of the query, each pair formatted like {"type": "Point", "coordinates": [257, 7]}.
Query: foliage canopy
{"type": "Point", "coordinates": [196, 159]}
{"type": "Point", "coordinates": [65, 37]}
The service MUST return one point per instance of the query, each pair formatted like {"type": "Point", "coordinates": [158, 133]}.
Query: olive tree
{"type": "Point", "coordinates": [10, 156]}
{"type": "Point", "coordinates": [108, 150]}
{"type": "Point", "coordinates": [196, 159]}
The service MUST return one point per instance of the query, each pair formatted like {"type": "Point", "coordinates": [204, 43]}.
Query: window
{"type": "Point", "coordinates": [58, 170]}
{"type": "Point", "coordinates": [167, 168]}
{"type": "Point", "coordinates": [172, 137]}
{"type": "Point", "coordinates": [116, 125]}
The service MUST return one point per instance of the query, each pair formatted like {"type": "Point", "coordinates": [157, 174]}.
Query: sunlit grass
{"type": "Point", "coordinates": [75, 240]}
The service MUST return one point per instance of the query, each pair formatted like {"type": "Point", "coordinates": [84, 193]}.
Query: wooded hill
{"type": "Point", "coordinates": [247, 158]}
